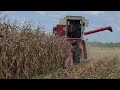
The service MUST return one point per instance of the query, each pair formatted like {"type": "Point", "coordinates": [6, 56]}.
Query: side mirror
{"type": "Point", "coordinates": [86, 22]}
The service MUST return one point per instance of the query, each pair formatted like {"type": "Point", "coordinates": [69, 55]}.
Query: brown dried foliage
{"type": "Point", "coordinates": [100, 65]}
{"type": "Point", "coordinates": [25, 53]}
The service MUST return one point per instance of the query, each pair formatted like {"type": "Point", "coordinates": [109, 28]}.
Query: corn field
{"type": "Point", "coordinates": [98, 66]}
{"type": "Point", "coordinates": [25, 52]}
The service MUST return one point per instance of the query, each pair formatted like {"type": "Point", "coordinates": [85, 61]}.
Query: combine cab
{"type": "Point", "coordinates": [73, 27]}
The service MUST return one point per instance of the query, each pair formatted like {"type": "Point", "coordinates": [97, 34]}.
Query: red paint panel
{"type": "Point", "coordinates": [69, 59]}
{"type": "Point", "coordinates": [59, 30]}
{"type": "Point", "coordinates": [84, 49]}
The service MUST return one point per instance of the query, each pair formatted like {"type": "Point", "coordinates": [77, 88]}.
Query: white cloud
{"type": "Point", "coordinates": [42, 13]}
{"type": "Point", "coordinates": [10, 12]}
{"type": "Point", "coordinates": [114, 22]}
{"type": "Point", "coordinates": [94, 12]}
{"type": "Point", "coordinates": [7, 12]}
{"type": "Point", "coordinates": [55, 15]}
{"type": "Point", "coordinates": [58, 14]}
{"type": "Point", "coordinates": [18, 20]}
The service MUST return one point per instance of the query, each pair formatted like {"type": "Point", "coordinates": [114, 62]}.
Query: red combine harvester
{"type": "Point", "coordinates": [73, 27]}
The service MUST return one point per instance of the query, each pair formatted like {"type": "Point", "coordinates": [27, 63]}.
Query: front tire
{"type": "Point", "coordinates": [77, 54]}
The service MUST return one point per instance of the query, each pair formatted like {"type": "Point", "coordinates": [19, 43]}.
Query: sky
{"type": "Point", "coordinates": [97, 19]}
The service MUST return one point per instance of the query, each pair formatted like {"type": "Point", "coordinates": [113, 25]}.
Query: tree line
{"type": "Point", "coordinates": [100, 44]}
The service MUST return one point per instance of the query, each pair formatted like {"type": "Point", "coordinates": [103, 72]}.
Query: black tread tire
{"type": "Point", "coordinates": [77, 55]}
